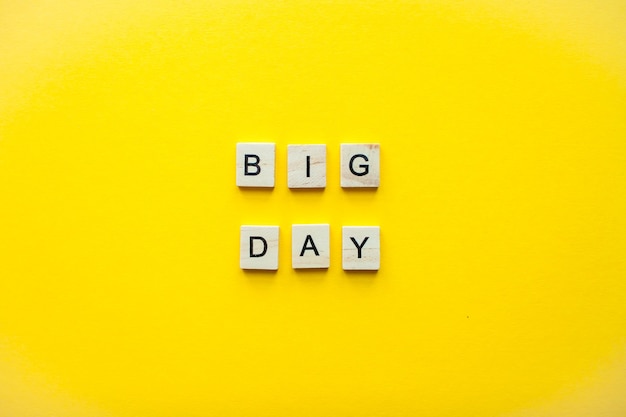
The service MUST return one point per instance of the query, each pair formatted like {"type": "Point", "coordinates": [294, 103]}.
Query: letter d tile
{"type": "Point", "coordinates": [259, 247]}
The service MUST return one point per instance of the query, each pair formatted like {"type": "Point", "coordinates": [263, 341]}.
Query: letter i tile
{"type": "Point", "coordinates": [306, 166]}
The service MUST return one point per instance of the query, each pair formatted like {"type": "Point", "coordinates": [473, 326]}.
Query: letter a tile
{"type": "Point", "coordinates": [360, 165]}
{"type": "Point", "coordinates": [310, 246]}
{"type": "Point", "coordinates": [255, 164]}
{"type": "Point", "coordinates": [259, 247]}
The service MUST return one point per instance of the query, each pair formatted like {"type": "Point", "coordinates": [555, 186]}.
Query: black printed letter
{"type": "Point", "coordinates": [359, 247]}
{"type": "Point", "coordinates": [308, 166]}
{"type": "Point", "coordinates": [366, 167]}
{"type": "Point", "coordinates": [257, 255]}
{"type": "Point", "coordinates": [305, 247]}
{"type": "Point", "coordinates": [255, 164]}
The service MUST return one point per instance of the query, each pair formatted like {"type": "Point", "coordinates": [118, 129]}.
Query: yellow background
{"type": "Point", "coordinates": [502, 207]}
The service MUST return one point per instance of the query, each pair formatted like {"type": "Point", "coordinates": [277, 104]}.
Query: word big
{"type": "Point", "coordinates": [306, 165]}
{"type": "Point", "coordinates": [310, 247]}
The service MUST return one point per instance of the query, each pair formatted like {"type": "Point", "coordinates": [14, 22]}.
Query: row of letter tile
{"type": "Point", "coordinates": [306, 165]}
{"type": "Point", "coordinates": [310, 247]}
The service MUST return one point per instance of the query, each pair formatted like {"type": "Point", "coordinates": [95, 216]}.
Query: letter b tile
{"type": "Point", "coordinates": [360, 165]}
{"type": "Point", "coordinates": [259, 247]}
{"type": "Point", "coordinates": [256, 164]}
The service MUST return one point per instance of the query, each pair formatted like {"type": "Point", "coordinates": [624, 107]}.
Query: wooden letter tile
{"type": "Point", "coordinates": [310, 246]}
{"type": "Point", "coordinates": [360, 165]}
{"type": "Point", "coordinates": [259, 247]}
{"type": "Point", "coordinates": [255, 164]}
{"type": "Point", "coordinates": [306, 166]}
{"type": "Point", "coordinates": [361, 248]}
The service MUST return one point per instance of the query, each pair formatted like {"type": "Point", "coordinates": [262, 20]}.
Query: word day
{"type": "Point", "coordinates": [310, 247]}
{"type": "Point", "coordinates": [306, 165]}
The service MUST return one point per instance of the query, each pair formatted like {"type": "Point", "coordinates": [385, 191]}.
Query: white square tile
{"type": "Point", "coordinates": [256, 164]}
{"type": "Point", "coordinates": [259, 247]}
{"type": "Point", "coordinates": [306, 166]}
{"type": "Point", "coordinates": [360, 165]}
{"type": "Point", "coordinates": [361, 248]}
{"type": "Point", "coordinates": [310, 246]}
